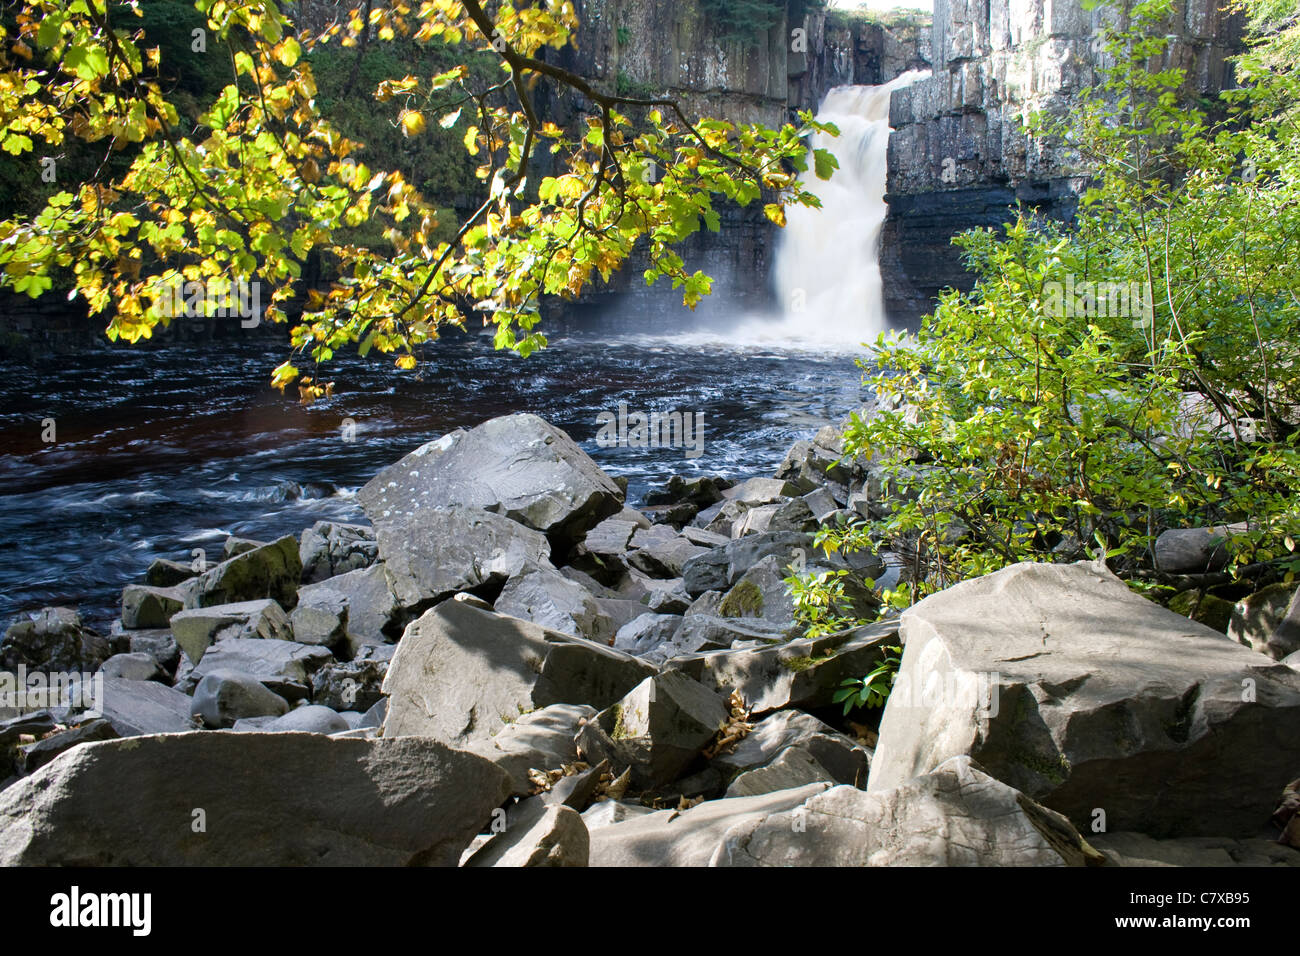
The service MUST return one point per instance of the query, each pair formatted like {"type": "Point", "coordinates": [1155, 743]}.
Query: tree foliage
{"type": "Point", "coordinates": [264, 178]}
{"type": "Point", "coordinates": [1033, 419]}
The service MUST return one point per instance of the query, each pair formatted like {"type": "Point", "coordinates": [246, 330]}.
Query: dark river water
{"type": "Point", "coordinates": [159, 451]}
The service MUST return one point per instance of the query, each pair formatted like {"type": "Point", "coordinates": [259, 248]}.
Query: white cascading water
{"type": "Point", "coordinates": [827, 266]}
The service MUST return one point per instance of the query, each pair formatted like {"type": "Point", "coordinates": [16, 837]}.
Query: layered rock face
{"type": "Point", "coordinates": [645, 48]}
{"type": "Point", "coordinates": [959, 156]}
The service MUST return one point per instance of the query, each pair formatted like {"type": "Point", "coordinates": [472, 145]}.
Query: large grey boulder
{"type": "Point", "coordinates": [250, 800]}
{"type": "Point", "coordinates": [691, 837]}
{"type": "Point", "coordinates": [330, 548]}
{"type": "Point", "coordinates": [224, 697]}
{"type": "Point", "coordinates": [137, 666]}
{"type": "Point", "coordinates": [159, 644]}
{"type": "Point", "coordinates": [145, 707]}
{"type": "Point", "coordinates": [461, 674]}
{"type": "Point", "coordinates": [793, 767]}
{"type": "Point", "coordinates": [356, 684]}
{"type": "Point", "coordinates": [611, 538]}
{"type": "Point", "coordinates": [52, 639]}
{"type": "Point", "coordinates": [957, 815]}
{"type": "Point", "coordinates": [661, 552]}
{"type": "Point", "coordinates": [801, 673]}
{"type": "Point", "coordinates": [540, 740]}
{"type": "Point", "coordinates": [1064, 684]}
{"type": "Point", "coordinates": [656, 730]}
{"type": "Point", "coordinates": [645, 634]}
{"type": "Point", "coordinates": [1194, 550]}
{"type": "Point", "coordinates": [198, 629]}
{"type": "Point", "coordinates": [441, 551]}
{"type": "Point", "coordinates": [542, 836]}
{"type": "Point", "coordinates": [310, 719]}
{"type": "Point", "coordinates": [548, 598]}
{"type": "Point", "coordinates": [264, 571]}
{"type": "Point", "coordinates": [517, 466]}
{"type": "Point", "coordinates": [284, 667]}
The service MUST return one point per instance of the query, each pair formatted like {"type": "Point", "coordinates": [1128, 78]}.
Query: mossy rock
{"type": "Point", "coordinates": [1205, 609]}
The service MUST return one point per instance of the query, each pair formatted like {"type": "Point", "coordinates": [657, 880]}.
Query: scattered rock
{"type": "Point", "coordinates": [540, 740]}
{"type": "Point", "coordinates": [1138, 849]}
{"type": "Point", "coordinates": [356, 684]}
{"type": "Point", "coordinates": [41, 752]}
{"type": "Point", "coordinates": [265, 571]}
{"type": "Point", "coordinates": [542, 836]}
{"type": "Point", "coordinates": [461, 674]}
{"type": "Point", "coordinates": [224, 697]}
{"type": "Point", "coordinates": [372, 607]}
{"type": "Point", "coordinates": [268, 800]}
{"type": "Point", "coordinates": [329, 548]}
{"type": "Point", "coordinates": [321, 618]}
{"type": "Point", "coordinates": [845, 760]}
{"type": "Point", "coordinates": [131, 667]}
{"type": "Point", "coordinates": [52, 639]}
{"type": "Point", "coordinates": [1066, 685]}
{"type": "Point", "coordinates": [957, 815]}
{"type": "Point", "coordinates": [310, 719]}
{"type": "Point", "coordinates": [548, 598]}
{"type": "Point", "coordinates": [163, 573]}
{"type": "Point", "coordinates": [1194, 550]}
{"type": "Point", "coordinates": [661, 552]}
{"type": "Point", "coordinates": [198, 629]}
{"type": "Point", "coordinates": [517, 466]}
{"type": "Point", "coordinates": [137, 707]}
{"type": "Point", "coordinates": [145, 606]}
{"type": "Point", "coordinates": [283, 666]}
{"type": "Point", "coordinates": [793, 767]}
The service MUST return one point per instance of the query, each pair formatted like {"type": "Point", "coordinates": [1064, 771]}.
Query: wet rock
{"type": "Point", "coordinates": [1066, 685]}
{"type": "Point", "coordinates": [144, 606]}
{"type": "Point", "coordinates": [267, 799]}
{"type": "Point", "coordinates": [516, 466]}
{"type": "Point", "coordinates": [461, 674]}
{"type": "Point", "coordinates": [198, 629]}
{"type": "Point", "coordinates": [265, 571]}
{"type": "Point", "coordinates": [439, 552]}
{"type": "Point", "coordinates": [329, 548]}
{"type": "Point", "coordinates": [957, 815]}
{"type": "Point", "coordinates": [163, 573]}
{"type": "Point", "coordinates": [223, 697]}
{"type": "Point", "coordinates": [52, 639]}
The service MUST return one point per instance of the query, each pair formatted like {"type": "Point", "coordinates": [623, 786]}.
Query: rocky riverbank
{"type": "Point", "coordinates": [511, 667]}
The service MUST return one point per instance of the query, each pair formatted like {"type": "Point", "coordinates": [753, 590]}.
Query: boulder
{"type": "Point", "coordinates": [1257, 618]}
{"type": "Point", "coordinates": [198, 629]}
{"type": "Point", "coordinates": [321, 618]}
{"type": "Point", "coordinates": [1284, 643]}
{"type": "Point", "coordinates": [136, 707]}
{"type": "Point", "coordinates": [543, 836]}
{"type": "Point", "coordinates": [225, 696]}
{"type": "Point", "coordinates": [719, 569]}
{"type": "Point", "coordinates": [1194, 550]}
{"type": "Point", "coordinates": [1213, 612]}
{"type": "Point", "coordinates": [1138, 849]}
{"type": "Point", "coordinates": [802, 673]}
{"type": "Point", "coordinates": [265, 571]}
{"type": "Point", "coordinates": [38, 754]}
{"type": "Point", "coordinates": [793, 767]}
{"type": "Point", "coordinates": [372, 607]}
{"type": "Point", "coordinates": [845, 760]}
{"type": "Point", "coordinates": [669, 838]}
{"type": "Point", "coordinates": [145, 606]}
{"type": "Point", "coordinates": [131, 667]}
{"type": "Point", "coordinates": [1064, 684]}
{"type": "Point", "coordinates": [608, 812]}
{"type": "Point", "coordinates": [461, 674]}
{"type": "Point", "coordinates": [52, 639]}
{"type": "Point", "coordinates": [548, 598]}
{"type": "Point", "coordinates": [311, 719]}
{"type": "Point", "coordinates": [540, 740]}
{"type": "Point", "coordinates": [644, 635]}
{"type": "Point", "coordinates": [656, 730]}
{"type": "Point", "coordinates": [661, 552]}
{"type": "Point", "coordinates": [158, 644]}
{"type": "Point", "coordinates": [264, 800]}
{"type": "Point", "coordinates": [329, 548]}
{"type": "Point", "coordinates": [760, 491]}
{"type": "Point", "coordinates": [439, 552]}
{"type": "Point", "coordinates": [957, 815]}
{"type": "Point", "coordinates": [163, 573]}
{"type": "Point", "coordinates": [611, 538]}
{"type": "Point", "coordinates": [283, 666]}
{"type": "Point", "coordinates": [517, 466]}
{"type": "Point", "coordinates": [356, 684]}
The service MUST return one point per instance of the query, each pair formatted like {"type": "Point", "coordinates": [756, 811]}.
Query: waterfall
{"type": "Point", "coordinates": [827, 267]}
